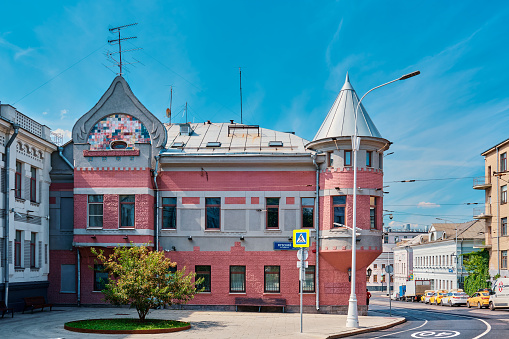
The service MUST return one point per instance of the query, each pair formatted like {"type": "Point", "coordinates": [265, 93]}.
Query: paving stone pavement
{"type": "Point", "coordinates": [205, 324]}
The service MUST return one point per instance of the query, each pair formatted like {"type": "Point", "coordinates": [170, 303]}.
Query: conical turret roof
{"type": "Point", "coordinates": [340, 120]}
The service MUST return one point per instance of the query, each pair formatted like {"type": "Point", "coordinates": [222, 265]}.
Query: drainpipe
{"type": "Point", "coordinates": [60, 152]}
{"type": "Point", "coordinates": [79, 276]}
{"type": "Point", "coordinates": [156, 224]}
{"type": "Point", "coordinates": [317, 226]}
{"type": "Point", "coordinates": [498, 215]}
{"type": "Point", "coordinates": [6, 208]}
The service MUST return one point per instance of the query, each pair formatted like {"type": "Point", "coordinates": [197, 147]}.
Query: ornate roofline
{"type": "Point", "coordinates": [119, 92]}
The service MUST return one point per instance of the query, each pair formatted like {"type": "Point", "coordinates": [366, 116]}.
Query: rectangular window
{"type": "Point", "coordinates": [169, 213]}
{"type": "Point", "coordinates": [308, 206]}
{"type": "Point", "coordinates": [383, 277]}
{"type": "Point", "coordinates": [100, 277]}
{"type": "Point", "coordinates": [272, 213]}
{"type": "Point", "coordinates": [330, 160]}
{"type": "Point", "coordinates": [213, 213]}
{"type": "Point", "coordinates": [339, 205]}
{"type": "Point", "coordinates": [95, 211]}
{"type": "Point", "coordinates": [348, 158]}
{"type": "Point", "coordinates": [503, 162]}
{"type": "Point", "coordinates": [504, 260]}
{"type": "Point", "coordinates": [68, 278]}
{"type": "Point", "coordinates": [372, 212]}
{"type": "Point", "coordinates": [503, 223]}
{"type": "Point", "coordinates": [32, 249]}
{"type": "Point", "coordinates": [127, 210]}
{"type": "Point", "coordinates": [369, 159]}
{"type": "Point", "coordinates": [17, 249]}
{"type": "Point", "coordinates": [375, 278]}
{"type": "Point", "coordinates": [383, 266]}
{"type": "Point", "coordinates": [503, 194]}
{"type": "Point", "coordinates": [308, 285]}
{"type": "Point", "coordinates": [237, 279]}
{"type": "Point", "coordinates": [375, 265]}
{"type": "Point", "coordinates": [271, 279]}
{"type": "Point", "coordinates": [33, 184]}
{"type": "Point", "coordinates": [17, 180]}
{"type": "Point", "coordinates": [203, 272]}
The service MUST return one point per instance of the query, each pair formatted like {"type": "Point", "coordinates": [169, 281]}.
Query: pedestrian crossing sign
{"type": "Point", "coordinates": [300, 238]}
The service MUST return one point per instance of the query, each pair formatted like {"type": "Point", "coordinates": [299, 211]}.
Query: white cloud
{"type": "Point", "coordinates": [66, 134]}
{"type": "Point", "coordinates": [424, 204]}
{"type": "Point", "coordinates": [44, 113]}
{"type": "Point", "coordinates": [63, 113]}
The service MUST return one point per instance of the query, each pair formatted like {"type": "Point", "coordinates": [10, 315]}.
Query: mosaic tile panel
{"type": "Point", "coordinates": [117, 127]}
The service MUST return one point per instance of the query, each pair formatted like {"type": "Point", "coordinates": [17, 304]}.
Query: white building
{"type": "Point", "coordinates": [403, 260]}
{"type": "Point", "coordinates": [437, 257]}
{"type": "Point", "coordinates": [26, 149]}
{"type": "Point", "coordinates": [378, 279]}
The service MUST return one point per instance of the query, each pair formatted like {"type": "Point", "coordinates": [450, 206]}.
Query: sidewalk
{"type": "Point", "coordinates": [205, 324]}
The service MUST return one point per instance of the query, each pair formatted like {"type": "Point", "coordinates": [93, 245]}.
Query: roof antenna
{"type": "Point", "coordinates": [118, 42]}
{"type": "Point", "coordinates": [186, 112]}
{"type": "Point", "coordinates": [240, 78]}
{"type": "Point", "coordinates": [168, 110]}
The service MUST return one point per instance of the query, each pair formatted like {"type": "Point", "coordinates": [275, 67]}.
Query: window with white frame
{"type": "Point", "coordinates": [95, 211]}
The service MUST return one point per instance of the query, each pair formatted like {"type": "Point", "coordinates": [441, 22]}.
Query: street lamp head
{"type": "Point", "coordinates": [409, 75]}
{"type": "Point", "coordinates": [368, 272]}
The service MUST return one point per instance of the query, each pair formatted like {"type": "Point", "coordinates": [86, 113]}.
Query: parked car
{"type": "Point", "coordinates": [455, 298]}
{"type": "Point", "coordinates": [427, 296]}
{"type": "Point", "coordinates": [437, 297]}
{"type": "Point", "coordinates": [479, 299]}
{"type": "Point", "coordinates": [424, 295]}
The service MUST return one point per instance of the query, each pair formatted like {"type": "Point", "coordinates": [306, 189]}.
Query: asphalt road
{"type": "Point", "coordinates": [429, 321]}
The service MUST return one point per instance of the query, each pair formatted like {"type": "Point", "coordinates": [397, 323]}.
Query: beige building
{"type": "Point", "coordinates": [496, 209]}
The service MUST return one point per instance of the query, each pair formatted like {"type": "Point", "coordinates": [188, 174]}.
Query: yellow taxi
{"type": "Point", "coordinates": [427, 293]}
{"type": "Point", "coordinates": [437, 297]}
{"type": "Point", "coordinates": [427, 296]}
{"type": "Point", "coordinates": [479, 299]}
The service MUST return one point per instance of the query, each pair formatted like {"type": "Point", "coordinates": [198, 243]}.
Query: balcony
{"type": "Point", "coordinates": [482, 183]}
{"type": "Point", "coordinates": [482, 213]}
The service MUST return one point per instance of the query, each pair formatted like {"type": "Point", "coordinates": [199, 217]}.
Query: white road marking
{"type": "Point", "coordinates": [410, 329]}
{"type": "Point", "coordinates": [435, 334]}
{"type": "Point", "coordinates": [488, 329]}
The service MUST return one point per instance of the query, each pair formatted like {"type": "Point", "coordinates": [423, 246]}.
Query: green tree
{"type": "Point", "coordinates": [140, 278]}
{"type": "Point", "coordinates": [477, 265]}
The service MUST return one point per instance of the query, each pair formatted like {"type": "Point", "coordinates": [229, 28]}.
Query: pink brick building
{"type": "Point", "coordinates": [218, 198]}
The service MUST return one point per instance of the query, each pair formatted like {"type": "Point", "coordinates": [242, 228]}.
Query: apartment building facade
{"type": "Point", "coordinates": [26, 148]}
{"type": "Point", "coordinates": [495, 211]}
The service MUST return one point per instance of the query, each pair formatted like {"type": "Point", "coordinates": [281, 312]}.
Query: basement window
{"type": "Point", "coordinates": [275, 144]}
{"type": "Point", "coordinates": [177, 144]}
{"type": "Point", "coordinates": [213, 144]}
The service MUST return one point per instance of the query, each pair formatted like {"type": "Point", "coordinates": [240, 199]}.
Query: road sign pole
{"type": "Point", "coordinates": [301, 285]}
{"type": "Point", "coordinates": [390, 306]}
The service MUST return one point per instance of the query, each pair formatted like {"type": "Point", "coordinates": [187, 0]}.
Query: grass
{"type": "Point", "coordinates": [126, 324]}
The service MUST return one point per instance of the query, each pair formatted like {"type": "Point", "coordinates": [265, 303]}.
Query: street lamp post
{"type": "Point", "coordinates": [352, 319]}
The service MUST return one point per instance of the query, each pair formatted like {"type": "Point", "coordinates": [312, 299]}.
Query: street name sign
{"type": "Point", "coordinates": [283, 246]}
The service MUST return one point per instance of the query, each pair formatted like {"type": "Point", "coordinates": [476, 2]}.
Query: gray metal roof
{"type": "Point", "coordinates": [340, 120]}
{"type": "Point", "coordinates": [232, 139]}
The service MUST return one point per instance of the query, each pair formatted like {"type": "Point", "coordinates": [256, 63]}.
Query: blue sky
{"type": "Point", "coordinates": [294, 56]}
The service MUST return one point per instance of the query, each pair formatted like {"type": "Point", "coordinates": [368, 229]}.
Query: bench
{"type": "Point", "coordinates": [36, 302]}
{"type": "Point", "coordinates": [260, 302]}
{"type": "Point", "coordinates": [4, 309]}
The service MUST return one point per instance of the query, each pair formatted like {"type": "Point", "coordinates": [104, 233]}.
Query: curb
{"type": "Point", "coordinates": [366, 330]}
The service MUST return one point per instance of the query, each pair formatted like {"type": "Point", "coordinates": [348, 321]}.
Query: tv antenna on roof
{"type": "Point", "coordinates": [119, 63]}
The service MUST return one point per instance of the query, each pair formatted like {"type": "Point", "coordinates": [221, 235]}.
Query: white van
{"type": "Point", "coordinates": [500, 296]}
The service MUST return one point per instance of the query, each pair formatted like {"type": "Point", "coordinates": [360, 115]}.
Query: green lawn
{"type": "Point", "coordinates": [126, 324]}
